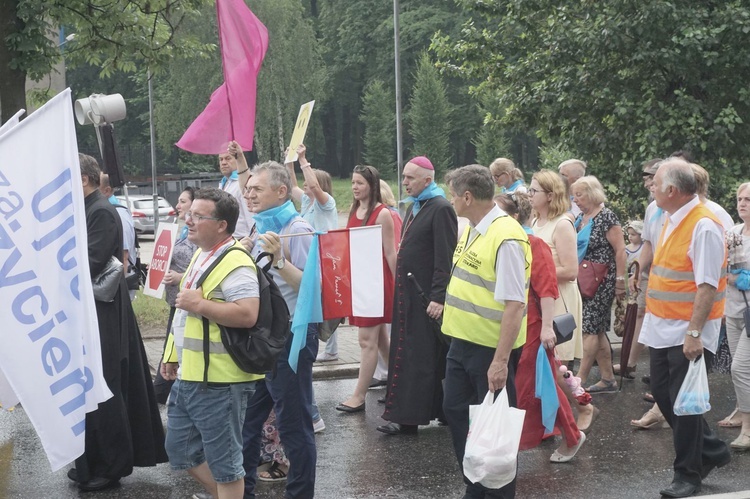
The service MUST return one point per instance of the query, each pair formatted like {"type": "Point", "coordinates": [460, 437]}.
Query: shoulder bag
{"type": "Point", "coordinates": [106, 284]}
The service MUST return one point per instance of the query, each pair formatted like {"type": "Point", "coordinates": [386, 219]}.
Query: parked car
{"type": "Point", "coordinates": [142, 210]}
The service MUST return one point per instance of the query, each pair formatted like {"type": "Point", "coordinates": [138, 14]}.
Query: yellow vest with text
{"type": "Point", "coordinates": [221, 367]}
{"type": "Point", "coordinates": [471, 312]}
{"type": "Point", "coordinates": [671, 282]}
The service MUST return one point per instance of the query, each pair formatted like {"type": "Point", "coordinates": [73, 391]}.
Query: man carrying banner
{"type": "Point", "coordinates": [417, 357]}
{"type": "Point", "coordinates": [484, 308]}
{"type": "Point", "coordinates": [204, 424]}
{"type": "Point", "coordinates": [114, 444]}
{"type": "Point", "coordinates": [233, 166]}
{"type": "Point", "coordinates": [289, 393]}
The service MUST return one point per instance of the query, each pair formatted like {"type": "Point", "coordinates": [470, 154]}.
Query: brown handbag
{"type": "Point", "coordinates": [590, 276]}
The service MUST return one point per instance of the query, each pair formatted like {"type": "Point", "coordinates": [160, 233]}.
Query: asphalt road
{"type": "Point", "coordinates": [356, 461]}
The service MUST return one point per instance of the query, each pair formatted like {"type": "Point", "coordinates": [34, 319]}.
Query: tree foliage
{"type": "Point", "coordinates": [112, 35]}
{"type": "Point", "coordinates": [615, 82]}
{"type": "Point", "coordinates": [429, 116]}
{"type": "Point", "coordinates": [379, 119]}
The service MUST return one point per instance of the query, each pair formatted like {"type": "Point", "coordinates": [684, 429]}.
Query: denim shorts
{"type": "Point", "coordinates": [207, 426]}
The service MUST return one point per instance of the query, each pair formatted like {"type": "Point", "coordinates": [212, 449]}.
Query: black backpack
{"type": "Point", "coordinates": [256, 349]}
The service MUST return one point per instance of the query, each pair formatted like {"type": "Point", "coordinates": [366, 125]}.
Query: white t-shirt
{"type": "Point", "coordinates": [706, 251]}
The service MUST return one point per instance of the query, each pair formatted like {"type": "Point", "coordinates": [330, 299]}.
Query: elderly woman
{"type": "Point", "coordinates": [549, 199]}
{"type": "Point", "coordinates": [507, 176]}
{"type": "Point", "coordinates": [738, 240]}
{"type": "Point", "coordinates": [600, 240]}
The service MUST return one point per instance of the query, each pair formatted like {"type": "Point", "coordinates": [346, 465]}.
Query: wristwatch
{"type": "Point", "coordinates": [694, 333]}
{"type": "Point", "coordinates": [280, 264]}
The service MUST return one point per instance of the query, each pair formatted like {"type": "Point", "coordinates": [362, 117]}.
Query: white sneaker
{"type": "Point", "coordinates": [326, 357]}
{"type": "Point", "coordinates": [319, 425]}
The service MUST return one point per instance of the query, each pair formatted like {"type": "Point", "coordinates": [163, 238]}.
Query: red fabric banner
{"type": "Point", "coordinates": [335, 267]}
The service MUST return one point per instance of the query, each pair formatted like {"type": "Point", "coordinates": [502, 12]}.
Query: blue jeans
{"type": "Point", "coordinates": [290, 395]}
{"type": "Point", "coordinates": [207, 426]}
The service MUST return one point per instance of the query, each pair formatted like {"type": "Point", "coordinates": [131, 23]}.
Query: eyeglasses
{"type": "Point", "coordinates": [190, 214]}
{"type": "Point", "coordinates": [533, 191]}
{"type": "Point", "coordinates": [497, 176]}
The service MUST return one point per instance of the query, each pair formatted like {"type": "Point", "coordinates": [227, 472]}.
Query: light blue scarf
{"type": "Point", "coordinates": [428, 193]}
{"type": "Point", "coordinates": [583, 237]}
{"type": "Point", "coordinates": [274, 219]}
{"type": "Point", "coordinates": [515, 185]}
{"type": "Point", "coordinates": [233, 176]}
{"type": "Point", "coordinates": [183, 233]}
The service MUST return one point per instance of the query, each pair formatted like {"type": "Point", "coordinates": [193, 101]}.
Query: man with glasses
{"type": "Point", "coordinates": [204, 423]}
{"type": "Point", "coordinates": [287, 237]}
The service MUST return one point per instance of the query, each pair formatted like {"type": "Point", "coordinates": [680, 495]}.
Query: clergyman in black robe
{"type": "Point", "coordinates": [417, 356]}
{"type": "Point", "coordinates": [125, 430]}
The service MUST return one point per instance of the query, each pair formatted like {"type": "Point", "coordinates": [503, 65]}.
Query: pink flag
{"type": "Point", "coordinates": [352, 272]}
{"type": "Point", "coordinates": [230, 115]}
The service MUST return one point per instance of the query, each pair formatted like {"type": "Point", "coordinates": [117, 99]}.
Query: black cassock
{"type": "Point", "coordinates": [125, 430]}
{"type": "Point", "coordinates": [416, 366]}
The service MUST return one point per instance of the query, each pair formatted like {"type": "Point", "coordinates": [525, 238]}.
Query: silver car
{"type": "Point", "coordinates": [142, 210]}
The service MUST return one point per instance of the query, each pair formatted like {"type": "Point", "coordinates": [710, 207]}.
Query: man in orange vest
{"type": "Point", "coordinates": [684, 307]}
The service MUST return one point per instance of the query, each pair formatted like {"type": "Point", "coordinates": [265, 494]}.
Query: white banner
{"type": "Point", "coordinates": [50, 339]}
{"type": "Point", "coordinates": [13, 121]}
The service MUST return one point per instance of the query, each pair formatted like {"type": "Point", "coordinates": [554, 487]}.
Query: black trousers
{"type": "Point", "coordinates": [695, 444]}
{"type": "Point", "coordinates": [466, 384]}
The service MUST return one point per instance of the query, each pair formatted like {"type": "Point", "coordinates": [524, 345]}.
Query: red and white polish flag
{"type": "Point", "coordinates": [351, 265]}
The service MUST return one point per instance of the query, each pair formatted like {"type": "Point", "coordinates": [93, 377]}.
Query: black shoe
{"type": "Point", "coordinates": [398, 429]}
{"type": "Point", "coordinates": [680, 489]}
{"type": "Point", "coordinates": [377, 382]}
{"type": "Point", "coordinates": [707, 468]}
{"type": "Point", "coordinates": [97, 483]}
{"type": "Point", "coordinates": [350, 409]}
{"type": "Point", "coordinates": [381, 400]}
{"type": "Point", "coordinates": [73, 474]}
{"type": "Point", "coordinates": [646, 378]}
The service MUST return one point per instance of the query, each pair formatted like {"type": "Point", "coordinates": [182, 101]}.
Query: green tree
{"type": "Point", "coordinates": [379, 119]}
{"type": "Point", "coordinates": [430, 116]}
{"type": "Point", "coordinates": [110, 34]}
{"type": "Point", "coordinates": [616, 82]}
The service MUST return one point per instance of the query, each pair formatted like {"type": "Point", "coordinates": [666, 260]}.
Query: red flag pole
{"type": "Point", "coordinates": [223, 70]}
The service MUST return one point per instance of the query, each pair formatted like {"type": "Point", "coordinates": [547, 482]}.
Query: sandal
{"type": "Point", "coordinates": [649, 420]}
{"type": "Point", "coordinates": [649, 398]}
{"type": "Point", "coordinates": [273, 474]}
{"type": "Point", "coordinates": [730, 422]}
{"type": "Point", "coordinates": [603, 386]}
{"type": "Point", "coordinates": [629, 371]}
{"type": "Point", "coordinates": [742, 442]}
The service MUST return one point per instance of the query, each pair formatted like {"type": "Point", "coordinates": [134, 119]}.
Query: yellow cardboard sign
{"type": "Point", "coordinates": [300, 128]}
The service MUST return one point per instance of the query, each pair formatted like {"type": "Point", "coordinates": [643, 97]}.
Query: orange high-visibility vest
{"type": "Point", "coordinates": [671, 283]}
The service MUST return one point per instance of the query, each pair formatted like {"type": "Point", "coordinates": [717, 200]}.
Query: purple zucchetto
{"type": "Point", "coordinates": [422, 162]}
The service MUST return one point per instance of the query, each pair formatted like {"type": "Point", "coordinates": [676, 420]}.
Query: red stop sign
{"type": "Point", "coordinates": [158, 267]}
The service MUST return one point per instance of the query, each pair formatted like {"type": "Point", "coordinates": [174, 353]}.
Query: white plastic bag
{"type": "Point", "coordinates": [491, 452]}
{"type": "Point", "coordinates": [693, 397]}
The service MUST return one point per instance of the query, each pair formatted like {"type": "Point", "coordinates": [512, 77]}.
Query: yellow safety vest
{"type": "Point", "coordinates": [471, 312]}
{"type": "Point", "coordinates": [671, 283]}
{"type": "Point", "coordinates": [221, 367]}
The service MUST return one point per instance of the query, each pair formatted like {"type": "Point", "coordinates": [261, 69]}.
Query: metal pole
{"type": "Point", "coordinates": [153, 153]}
{"type": "Point", "coordinates": [399, 140]}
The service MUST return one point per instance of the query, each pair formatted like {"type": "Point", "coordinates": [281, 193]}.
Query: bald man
{"type": "Point", "coordinates": [417, 357]}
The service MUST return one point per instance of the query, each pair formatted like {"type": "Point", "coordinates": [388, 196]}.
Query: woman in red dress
{"type": "Point", "coordinates": [368, 209]}
{"type": "Point", "coordinates": [541, 305]}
